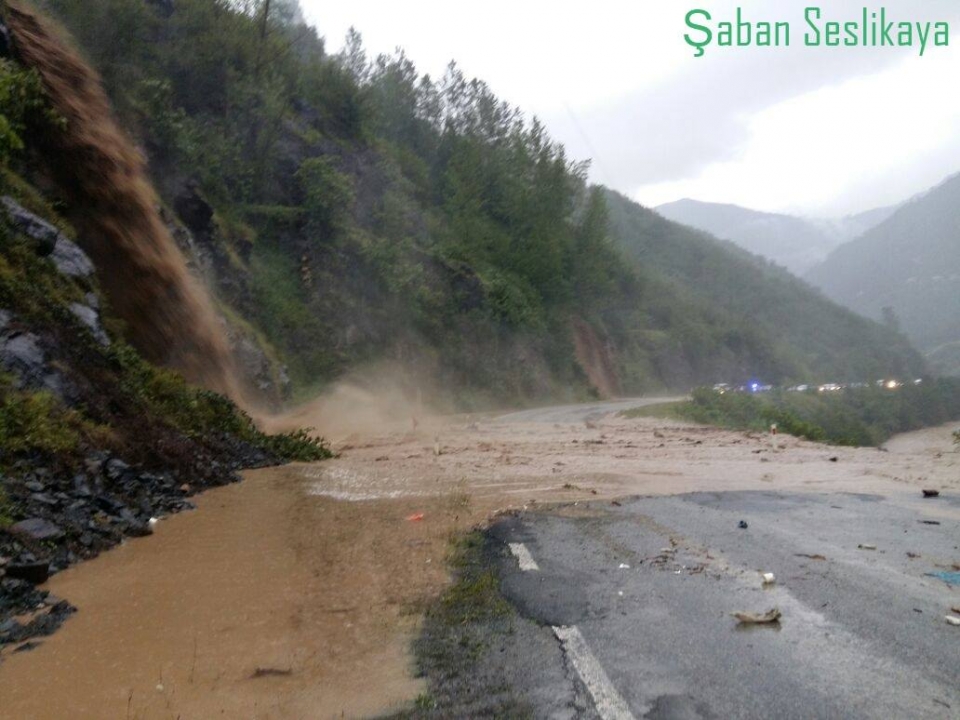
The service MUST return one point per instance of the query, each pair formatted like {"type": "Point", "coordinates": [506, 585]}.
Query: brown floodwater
{"type": "Point", "coordinates": [296, 593]}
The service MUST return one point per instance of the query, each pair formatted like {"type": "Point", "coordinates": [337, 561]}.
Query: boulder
{"type": "Point", "coordinates": [39, 230]}
{"type": "Point", "coordinates": [71, 260]}
{"type": "Point", "coordinates": [66, 255]}
{"type": "Point", "coordinates": [22, 356]}
{"type": "Point", "coordinates": [36, 529]}
{"type": "Point", "coordinates": [91, 318]}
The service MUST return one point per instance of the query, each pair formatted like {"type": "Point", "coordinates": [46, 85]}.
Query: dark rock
{"type": "Point", "coordinates": [80, 486]}
{"type": "Point", "coordinates": [35, 572]}
{"type": "Point", "coordinates": [36, 529]}
{"type": "Point", "coordinates": [116, 467]}
{"type": "Point", "coordinates": [195, 212]}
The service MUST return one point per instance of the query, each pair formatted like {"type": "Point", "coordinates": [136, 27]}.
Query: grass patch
{"type": "Point", "coordinates": [456, 652]}
{"type": "Point", "coordinates": [855, 416]}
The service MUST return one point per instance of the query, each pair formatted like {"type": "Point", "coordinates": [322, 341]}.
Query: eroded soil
{"type": "Point", "coordinates": [296, 593]}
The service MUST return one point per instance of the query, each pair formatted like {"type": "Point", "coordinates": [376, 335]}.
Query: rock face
{"type": "Point", "coordinates": [66, 255]}
{"type": "Point", "coordinates": [22, 356]}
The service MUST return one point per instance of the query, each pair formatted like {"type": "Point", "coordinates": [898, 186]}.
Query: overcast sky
{"type": "Point", "coordinates": [815, 131]}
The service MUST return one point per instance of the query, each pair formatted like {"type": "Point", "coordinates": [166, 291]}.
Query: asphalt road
{"type": "Point", "coordinates": [862, 633]}
{"type": "Point", "coordinates": [581, 412]}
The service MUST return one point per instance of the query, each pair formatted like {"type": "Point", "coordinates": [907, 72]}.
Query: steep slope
{"type": "Point", "coordinates": [910, 265]}
{"type": "Point", "coordinates": [805, 335]}
{"type": "Point", "coordinates": [358, 214]}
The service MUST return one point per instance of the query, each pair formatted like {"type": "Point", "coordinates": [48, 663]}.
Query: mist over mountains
{"type": "Point", "coordinates": [906, 272]}
{"type": "Point", "coordinates": [794, 242]}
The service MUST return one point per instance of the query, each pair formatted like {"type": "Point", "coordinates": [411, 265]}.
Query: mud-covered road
{"type": "Point", "coordinates": [650, 587]}
{"type": "Point", "coordinates": [297, 593]}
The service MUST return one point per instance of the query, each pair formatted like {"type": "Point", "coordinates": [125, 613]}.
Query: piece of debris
{"type": "Point", "coordinates": [770, 616]}
{"type": "Point", "coordinates": [952, 620]}
{"type": "Point", "coordinates": [913, 555]}
{"type": "Point", "coordinates": [615, 503]}
{"type": "Point", "coordinates": [950, 578]}
{"type": "Point", "coordinates": [769, 578]}
{"type": "Point", "coordinates": [956, 609]}
{"type": "Point", "coordinates": [929, 522]}
{"type": "Point", "coordinates": [867, 546]}
{"type": "Point", "coordinates": [624, 566]}
{"type": "Point", "coordinates": [834, 459]}
{"type": "Point", "coordinates": [930, 493]}
{"type": "Point", "coordinates": [271, 672]}
{"type": "Point", "coordinates": [815, 556]}
{"type": "Point", "coordinates": [416, 517]}
{"type": "Point", "coordinates": [742, 525]}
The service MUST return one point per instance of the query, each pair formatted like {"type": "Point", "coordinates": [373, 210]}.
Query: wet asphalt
{"type": "Point", "coordinates": [862, 633]}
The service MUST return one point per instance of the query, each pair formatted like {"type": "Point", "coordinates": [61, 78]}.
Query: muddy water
{"type": "Point", "coordinates": [266, 603]}
{"type": "Point", "coordinates": [295, 593]}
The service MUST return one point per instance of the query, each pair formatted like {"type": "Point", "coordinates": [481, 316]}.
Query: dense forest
{"type": "Point", "coordinates": [348, 211]}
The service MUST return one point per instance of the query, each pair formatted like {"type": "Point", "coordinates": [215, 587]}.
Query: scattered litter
{"type": "Point", "coordinates": [929, 522]}
{"type": "Point", "coordinates": [867, 546]}
{"type": "Point", "coordinates": [769, 578]}
{"type": "Point", "coordinates": [834, 459]}
{"type": "Point", "coordinates": [270, 672]}
{"type": "Point", "coordinates": [918, 610]}
{"type": "Point", "coordinates": [668, 550]}
{"type": "Point", "coordinates": [816, 556]}
{"type": "Point", "coordinates": [930, 493]}
{"type": "Point", "coordinates": [950, 578]}
{"type": "Point", "coordinates": [620, 593]}
{"type": "Point", "coordinates": [416, 517]}
{"type": "Point", "coordinates": [742, 524]}
{"type": "Point", "coordinates": [152, 521]}
{"type": "Point", "coordinates": [952, 620]}
{"type": "Point", "coordinates": [770, 616]}
{"type": "Point", "coordinates": [624, 566]}
{"type": "Point", "coordinates": [615, 503]}
{"type": "Point", "coordinates": [913, 555]}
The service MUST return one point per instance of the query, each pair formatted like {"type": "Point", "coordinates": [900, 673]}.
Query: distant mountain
{"type": "Point", "coordinates": [910, 264]}
{"type": "Point", "coordinates": [717, 297]}
{"type": "Point", "coordinates": [795, 243]}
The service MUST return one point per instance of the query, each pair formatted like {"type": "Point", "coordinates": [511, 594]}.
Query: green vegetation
{"type": "Point", "coordinates": [854, 416]}
{"type": "Point", "coordinates": [367, 212]}
{"type": "Point", "coordinates": [457, 650]}
{"type": "Point", "coordinates": [118, 401]}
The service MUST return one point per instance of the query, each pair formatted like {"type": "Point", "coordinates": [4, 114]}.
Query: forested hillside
{"type": "Point", "coordinates": [794, 331]}
{"type": "Point", "coordinates": [348, 211]}
{"type": "Point", "coordinates": [906, 273]}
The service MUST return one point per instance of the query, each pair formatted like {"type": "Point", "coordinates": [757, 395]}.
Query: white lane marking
{"type": "Point", "coordinates": [523, 557]}
{"type": "Point", "coordinates": [610, 705]}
